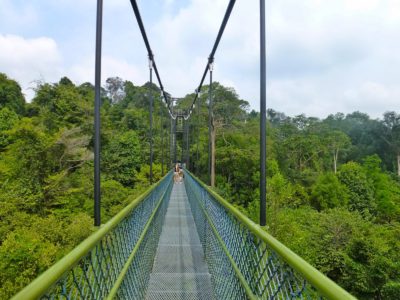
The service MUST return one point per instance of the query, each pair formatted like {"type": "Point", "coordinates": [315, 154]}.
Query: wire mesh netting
{"type": "Point", "coordinates": [205, 249]}
{"type": "Point", "coordinates": [180, 270]}
{"type": "Point", "coordinates": [94, 275]}
{"type": "Point", "coordinates": [241, 264]}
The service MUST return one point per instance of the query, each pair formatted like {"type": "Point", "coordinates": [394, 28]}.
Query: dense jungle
{"type": "Point", "coordinates": [333, 189]}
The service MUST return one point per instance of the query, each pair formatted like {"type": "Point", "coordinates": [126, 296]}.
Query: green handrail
{"type": "Point", "coordinates": [128, 263]}
{"type": "Point", "coordinates": [322, 283]}
{"type": "Point", "coordinates": [45, 281]}
{"type": "Point", "coordinates": [240, 276]}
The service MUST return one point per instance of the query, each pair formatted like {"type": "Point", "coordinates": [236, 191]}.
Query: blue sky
{"type": "Point", "coordinates": [323, 56]}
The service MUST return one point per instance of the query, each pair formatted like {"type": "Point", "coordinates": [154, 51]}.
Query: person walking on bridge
{"type": "Point", "coordinates": [181, 175]}
{"type": "Point", "coordinates": [176, 173]}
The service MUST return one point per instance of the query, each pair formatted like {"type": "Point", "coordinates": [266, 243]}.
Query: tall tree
{"type": "Point", "coordinates": [11, 95]}
{"type": "Point", "coordinates": [227, 107]}
{"type": "Point", "coordinates": [386, 190]}
{"type": "Point", "coordinates": [328, 192]}
{"type": "Point", "coordinates": [115, 88]}
{"type": "Point", "coordinates": [361, 199]}
{"type": "Point", "coordinates": [337, 141]}
{"type": "Point", "coordinates": [8, 119]}
{"type": "Point", "coordinates": [391, 134]}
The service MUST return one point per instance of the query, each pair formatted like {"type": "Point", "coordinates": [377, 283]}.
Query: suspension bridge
{"type": "Point", "coordinates": [181, 240]}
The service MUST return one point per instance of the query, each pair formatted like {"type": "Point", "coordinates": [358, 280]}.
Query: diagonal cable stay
{"type": "Point", "coordinates": [209, 62]}
{"type": "Point", "coordinates": [151, 56]}
{"type": "Point", "coordinates": [212, 54]}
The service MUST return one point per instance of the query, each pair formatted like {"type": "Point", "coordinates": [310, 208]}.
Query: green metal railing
{"type": "Point", "coordinates": [246, 262]}
{"type": "Point", "coordinates": [115, 261]}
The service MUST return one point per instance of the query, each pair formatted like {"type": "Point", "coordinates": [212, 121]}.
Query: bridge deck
{"type": "Point", "coordinates": [180, 270]}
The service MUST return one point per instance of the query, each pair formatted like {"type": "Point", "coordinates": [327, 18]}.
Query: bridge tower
{"type": "Point", "coordinates": [178, 133]}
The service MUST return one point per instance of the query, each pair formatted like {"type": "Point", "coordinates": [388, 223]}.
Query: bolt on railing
{"type": "Point", "coordinates": [246, 262]}
{"type": "Point", "coordinates": [116, 260]}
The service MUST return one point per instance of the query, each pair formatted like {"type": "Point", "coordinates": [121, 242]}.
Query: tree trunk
{"type": "Point", "coordinates": [213, 134]}
{"type": "Point", "coordinates": [398, 164]}
{"type": "Point", "coordinates": [335, 158]}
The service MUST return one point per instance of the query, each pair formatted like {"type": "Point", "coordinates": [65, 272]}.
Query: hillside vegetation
{"type": "Point", "coordinates": [333, 192]}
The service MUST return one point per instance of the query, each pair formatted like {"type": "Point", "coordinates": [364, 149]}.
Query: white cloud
{"type": "Point", "coordinates": [376, 98]}
{"type": "Point", "coordinates": [317, 50]}
{"type": "Point", "coordinates": [323, 56]}
{"type": "Point", "coordinates": [111, 67]}
{"type": "Point", "coordinates": [183, 41]}
{"type": "Point", "coordinates": [27, 60]}
{"type": "Point", "coordinates": [334, 56]}
{"type": "Point", "coordinates": [362, 5]}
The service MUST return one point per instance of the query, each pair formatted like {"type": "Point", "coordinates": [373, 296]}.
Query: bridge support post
{"type": "Point", "coordinates": [174, 142]}
{"type": "Point", "coordinates": [97, 104]}
{"type": "Point", "coordinates": [210, 125]}
{"type": "Point", "coordinates": [198, 137]}
{"type": "Point", "coordinates": [170, 143]}
{"type": "Point", "coordinates": [183, 148]}
{"type": "Point", "coordinates": [151, 118]}
{"type": "Point", "coordinates": [162, 140]}
{"type": "Point", "coordinates": [263, 117]}
{"type": "Point", "coordinates": [187, 143]}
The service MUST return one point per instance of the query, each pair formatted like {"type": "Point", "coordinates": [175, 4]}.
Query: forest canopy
{"type": "Point", "coordinates": [333, 192]}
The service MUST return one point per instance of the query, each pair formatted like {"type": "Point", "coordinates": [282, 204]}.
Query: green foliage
{"type": "Point", "coordinates": [8, 119]}
{"type": "Point", "coordinates": [121, 157]}
{"type": "Point", "coordinates": [390, 134]}
{"type": "Point", "coordinates": [346, 224]}
{"type": "Point", "coordinates": [114, 198]}
{"type": "Point", "coordinates": [328, 192]}
{"type": "Point", "coordinates": [227, 107]}
{"type": "Point", "coordinates": [355, 179]}
{"type": "Point", "coordinates": [26, 164]}
{"type": "Point", "coordinates": [143, 177]}
{"type": "Point", "coordinates": [280, 192]}
{"type": "Point", "coordinates": [391, 290]}
{"type": "Point", "coordinates": [386, 190]}
{"type": "Point", "coordinates": [11, 95]}
{"type": "Point", "coordinates": [62, 105]}
{"type": "Point", "coordinates": [34, 246]}
{"type": "Point", "coordinates": [46, 171]}
{"type": "Point", "coordinates": [361, 257]}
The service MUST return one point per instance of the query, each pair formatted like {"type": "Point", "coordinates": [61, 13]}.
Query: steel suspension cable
{"type": "Point", "coordinates": [213, 51]}
{"type": "Point", "coordinates": [210, 58]}
{"type": "Point", "coordinates": [150, 54]}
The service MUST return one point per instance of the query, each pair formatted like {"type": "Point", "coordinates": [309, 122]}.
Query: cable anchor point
{"type": "Point", "coordinates": [211, 65]}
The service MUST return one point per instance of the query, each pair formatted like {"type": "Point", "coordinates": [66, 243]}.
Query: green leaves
{"type": "Point", "coordinates": [385, 189]}
{"type": "Point", "coordinates": [332, 192]}
{"type": "Point", "coordinates": [121, 157]}
{"type": "Point", "coordinates": [34, 246]}
{"type": "Point", "coordinates": [11, 95]}
{"type": "Point", "coordinates": [360, 256]}
{"type": "Point", "coordinates": [8, 119]}
{"type": "Point", "coordinates": [360, 193]}
{"type": "Point", "coordinates": [328, 192]}
{"type": "Point", "coordinates": [62, 105]}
